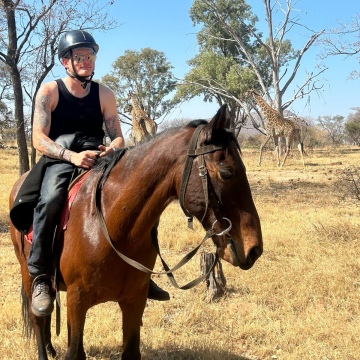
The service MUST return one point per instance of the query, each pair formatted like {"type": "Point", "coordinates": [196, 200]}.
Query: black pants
{"type": "Point", "coordinates": [47, 213]}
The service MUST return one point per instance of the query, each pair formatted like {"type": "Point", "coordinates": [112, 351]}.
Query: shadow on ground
{"type": "Point", "coordinates": [111, 353]}
{"type": "Point", "coordinates": [193, 354]}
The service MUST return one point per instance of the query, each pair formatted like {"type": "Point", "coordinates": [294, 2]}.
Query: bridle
{"type": "Point", "coordinates": [210, 198]}
{"type": "Point", "coordinates": [209, 194]}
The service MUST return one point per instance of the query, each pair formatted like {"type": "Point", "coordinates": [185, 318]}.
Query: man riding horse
{"type": "Point", "coordinates": [68, 110]}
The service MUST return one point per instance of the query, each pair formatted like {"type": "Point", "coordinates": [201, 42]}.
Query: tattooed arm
{"type": "Point", "coordinates": [111, 120]}
{"type": "Point", "coordinates": [45, 102]}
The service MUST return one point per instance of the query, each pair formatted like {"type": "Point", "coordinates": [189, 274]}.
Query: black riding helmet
{"type": "Point", "coordinates": [75, 39]}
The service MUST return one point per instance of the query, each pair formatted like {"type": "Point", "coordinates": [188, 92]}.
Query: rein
{"type": "Point", "coordinates": [193, 152]}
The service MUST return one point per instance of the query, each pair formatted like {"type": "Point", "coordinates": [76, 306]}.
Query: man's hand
{"type": "Point", "coordinates": [85, 159]}
{"type": "Point", "coordinates": [104, 150]}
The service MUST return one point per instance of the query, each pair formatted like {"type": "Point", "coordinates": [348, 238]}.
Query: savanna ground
{"type": "Point", "coordinates": [299, 301]}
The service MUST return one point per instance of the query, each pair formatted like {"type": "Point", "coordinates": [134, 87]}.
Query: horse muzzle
{"type": "Point", "coordinates": [230, 254]}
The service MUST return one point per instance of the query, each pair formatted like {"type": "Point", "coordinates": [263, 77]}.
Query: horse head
{"type": "Point", "coordinates": [221, 197]}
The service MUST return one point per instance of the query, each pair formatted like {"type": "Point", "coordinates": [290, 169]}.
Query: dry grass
{"type": "Point", "coordinates": [299, 301]}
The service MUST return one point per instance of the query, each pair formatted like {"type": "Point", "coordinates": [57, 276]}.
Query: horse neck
{"type": "Point", "coordinates": [145, 181]}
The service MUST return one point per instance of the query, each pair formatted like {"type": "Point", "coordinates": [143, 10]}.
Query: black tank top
{"type": "Point", "coordinates": [74, 114]}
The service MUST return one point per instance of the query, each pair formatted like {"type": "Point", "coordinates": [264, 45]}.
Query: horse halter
{"type": "Point", "coordinates": [209, 194]}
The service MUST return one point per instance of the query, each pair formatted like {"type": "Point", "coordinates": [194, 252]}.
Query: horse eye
{"type": "Point", "coordinates": [225, 174]}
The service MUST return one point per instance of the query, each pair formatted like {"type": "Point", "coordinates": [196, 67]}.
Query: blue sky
{"type": "Point", "coordinates": [165, 26]}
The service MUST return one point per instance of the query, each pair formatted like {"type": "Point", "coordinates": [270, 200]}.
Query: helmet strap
{"type": "Point", "coordinates": [84, 80]}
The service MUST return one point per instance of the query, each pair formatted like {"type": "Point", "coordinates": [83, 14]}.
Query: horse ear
{"type": "Point", "coordinates": [220, 121]}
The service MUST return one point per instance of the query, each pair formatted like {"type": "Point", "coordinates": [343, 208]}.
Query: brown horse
{"type": "Point", "coordinates": [136, 191]}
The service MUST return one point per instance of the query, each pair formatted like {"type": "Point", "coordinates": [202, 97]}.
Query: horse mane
{"type": "Point", "coordinates": [196, 123]}
{"type": "Point", "coordinates": [106, 164]}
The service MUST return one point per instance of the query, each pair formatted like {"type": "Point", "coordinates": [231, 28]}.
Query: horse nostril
{"type": "Point", "coordinates": [254, 254]}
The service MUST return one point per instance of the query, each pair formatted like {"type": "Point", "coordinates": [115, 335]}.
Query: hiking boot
{"type": "Point", "coordinates": [156, 293]}
{"type": "Point", "coordinates": [42, 301]}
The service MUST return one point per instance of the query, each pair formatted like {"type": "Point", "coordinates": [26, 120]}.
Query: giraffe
{"type": "Point", "coordinates": [139, 113]}
{"type": "Point", "coordinates": [277, 126]}
{"type": "Point", "coordinates": [139, 134]}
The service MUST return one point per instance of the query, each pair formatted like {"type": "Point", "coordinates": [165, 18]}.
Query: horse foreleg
{"type": "Point", "coordinates": [132, 313]}
{"type": "Point", "coordinates": [76, 314]}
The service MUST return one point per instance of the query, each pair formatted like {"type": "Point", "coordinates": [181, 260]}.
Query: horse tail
{"type": "Point", "coordinates": [28, 330]}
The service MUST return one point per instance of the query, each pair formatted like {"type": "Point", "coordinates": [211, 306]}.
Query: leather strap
{"type": "Point", "coordinates": [194, 152]}
{"type": "Point", "coordinates": [188, 168]}
{"type": "Point", "coordinates": [143, 268]}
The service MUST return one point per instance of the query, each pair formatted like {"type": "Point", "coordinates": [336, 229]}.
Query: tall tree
{"type": "Point", "coordinates": [217, 72]}
{"type": "Point", "coordinates": [28, 45]}
{"type": "Point", "coordinates": [147, 73]}
{"type": "Point", "coordinates": [352, 127]}
{"type": "Point", "coordinates": [334, 126]}
{"type": "Point", "coordinates": [6, 121]}
{"type": "Point", "coordinates": [271, 58]}
{"type": "Point", "coordinates": [218, 78]}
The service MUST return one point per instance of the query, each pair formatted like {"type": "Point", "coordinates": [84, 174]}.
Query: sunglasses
{"type": "Point", "coordinates": [80, 58]}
